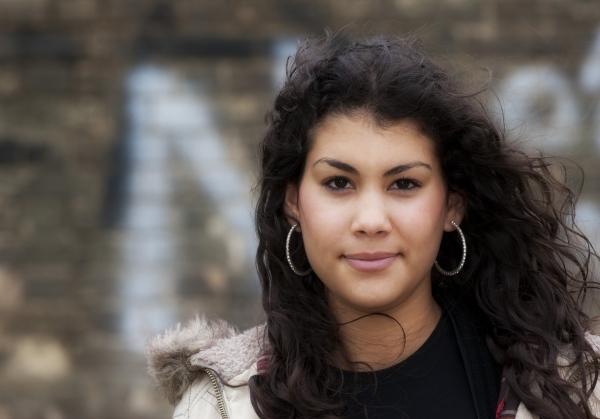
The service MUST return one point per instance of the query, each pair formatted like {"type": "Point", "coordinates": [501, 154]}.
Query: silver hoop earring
{"type": "Point", "coordinates": [464, 254]}
{"type": "Point", "coordinates": [289, 258]}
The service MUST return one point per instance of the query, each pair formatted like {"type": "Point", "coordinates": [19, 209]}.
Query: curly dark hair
{"type": "Point", "coordinates": [528, 266]}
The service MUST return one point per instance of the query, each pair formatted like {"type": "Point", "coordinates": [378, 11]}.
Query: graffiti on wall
{"type": "Point", "coordinates": [169, 118]}
{"type": "Point", "coordinates": [542, 104]}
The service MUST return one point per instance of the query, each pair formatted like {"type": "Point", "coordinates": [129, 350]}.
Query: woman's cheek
{"type": "Point", "coordinates": [421, 221]}
{"type": "Point", "coordinates": [428, 209]}
{"type": "Point", "coordinates": [322, 221]}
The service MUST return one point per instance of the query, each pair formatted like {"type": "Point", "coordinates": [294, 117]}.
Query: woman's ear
{"type": "Point", "coordinates": [290, 205]}
{"type": "Point", "coordinates": [457, 207]}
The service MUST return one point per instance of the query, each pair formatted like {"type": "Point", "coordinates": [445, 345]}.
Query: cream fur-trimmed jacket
{"type": "Point", "coordinates": [182, 359]}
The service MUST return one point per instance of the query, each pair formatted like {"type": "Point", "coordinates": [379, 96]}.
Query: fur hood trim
{"type": "Point", "coordinates": [176, 358]}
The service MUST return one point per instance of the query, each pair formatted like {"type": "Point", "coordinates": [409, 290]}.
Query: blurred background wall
{"type": "Point", "coordinates": [128, 133]}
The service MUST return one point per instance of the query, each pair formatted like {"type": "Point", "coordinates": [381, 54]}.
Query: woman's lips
{"type": "Point", "coordinates": [371, 261]}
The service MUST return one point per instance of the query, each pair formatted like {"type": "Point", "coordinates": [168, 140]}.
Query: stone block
{"type": "Point", "coordinates": [23, 10]}
{"type": "Point", "coordinates": [37, 358]}
{"type": "Point", "coordinates": [131, 10]}
{"type": "Point", "coordinates": [48, 77]}
{"type": "Point", "coordinates": [108, 44]}
{"type": "Point", "coordinates": [11, 289]}
{"type": "Point", "coordinates": [10, 81]}
{"type": "Point", "coordinates": [77, 10]}
{"type": "Point", "coordinates": [35, 44]}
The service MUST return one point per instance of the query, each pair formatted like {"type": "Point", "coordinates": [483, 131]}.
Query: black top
{"type": "Point", "coordinates": [430, 384]}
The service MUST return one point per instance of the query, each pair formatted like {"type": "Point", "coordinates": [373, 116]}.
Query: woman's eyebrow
{"type": "Point", "coordinates": [337, 164]}
{"type": "Point", "coordinates": [393, 171]}
{"type": "Point", "coordinates": [403, 167]}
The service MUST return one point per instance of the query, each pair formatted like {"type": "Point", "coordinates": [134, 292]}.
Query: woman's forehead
{"type": "Point", "coordinates": [360, 140]}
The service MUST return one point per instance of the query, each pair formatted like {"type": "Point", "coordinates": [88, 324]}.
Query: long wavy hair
{"type": "Point", "coordinates": [528, 266]}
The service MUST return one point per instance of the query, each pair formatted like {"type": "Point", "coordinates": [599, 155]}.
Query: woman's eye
{"type": "Point", "coordinates": [338, 183]}
{"type": "Point", "coordinates": [404, 184]}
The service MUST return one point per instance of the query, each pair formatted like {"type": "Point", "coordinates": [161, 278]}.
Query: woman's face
{"type": "Point", "coordinates": [372, 207]}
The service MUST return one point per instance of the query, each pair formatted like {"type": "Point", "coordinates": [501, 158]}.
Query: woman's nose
{"type": "Point", "coordinates": [371, 215]}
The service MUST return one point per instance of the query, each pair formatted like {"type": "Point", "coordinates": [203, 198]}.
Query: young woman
{"type": "Point", "coordinates": [413, 264]}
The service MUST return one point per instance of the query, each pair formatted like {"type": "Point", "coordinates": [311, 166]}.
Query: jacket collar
{"type": "Point", "coordinates": [176, 357]}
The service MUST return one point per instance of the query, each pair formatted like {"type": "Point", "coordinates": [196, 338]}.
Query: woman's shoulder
{"type": "Point", "coordinates": [191, 356]}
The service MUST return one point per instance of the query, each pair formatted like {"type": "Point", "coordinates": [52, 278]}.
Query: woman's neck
{"type": "Point", "coordinates": [388, 337]}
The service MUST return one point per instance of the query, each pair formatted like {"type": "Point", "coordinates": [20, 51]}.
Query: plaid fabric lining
{"type": "Point", "coordinates": [508, 402]}
{"type": "Point", "coordinates": [263, 360]}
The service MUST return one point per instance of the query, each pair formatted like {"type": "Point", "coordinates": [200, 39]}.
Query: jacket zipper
{"type": "Point", "coordinates": [213, 380]}
{"type": "Point", "coordinates": [577, 375]}
{"type": "Point", "coordinates": [218, 393]}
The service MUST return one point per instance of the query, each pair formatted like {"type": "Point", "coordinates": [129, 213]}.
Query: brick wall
{"type": "Point", "coordinates": [65, 128]}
